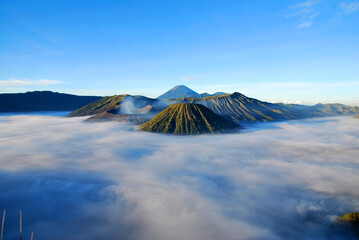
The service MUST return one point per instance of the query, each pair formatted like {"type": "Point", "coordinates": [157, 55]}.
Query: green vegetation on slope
{"type": "Point", "coordinates": [188, 118]}
{"type": "Point", "coordinates": [348, 225]}
{"type": "Point", "coordinates": [352, 218]}
{"type": "Point", "coordinates": [99, 106]}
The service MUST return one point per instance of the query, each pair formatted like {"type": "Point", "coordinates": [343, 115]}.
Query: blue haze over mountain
{"type": "Point", "coordinates": [182, 91]}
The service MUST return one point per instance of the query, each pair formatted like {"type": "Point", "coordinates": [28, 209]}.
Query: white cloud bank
{"type": "Point", "coordinates": [77, 180]}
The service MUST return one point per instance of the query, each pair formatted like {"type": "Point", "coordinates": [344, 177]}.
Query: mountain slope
{"type": "Point", "coordinates": [188, 118]}
{"type": "Point", "coordinates": [321, 110]}
{"type": "Point", "coordinates": [336, 109]}
{"type": "Point", "coordinates": [352, 218]}
{"type": "Point", "coordinates": [356, 116]}
{"type": "Point", "coordinates": [42, 101]}
{"type": "Point", "coordinates": [238, 107]}
{"type": "Point", "coordinates": [108, 107]}
{"type": "Point", "coordinates": [99, 106]}
{"type": "Point", "coordinates": [179, 91]}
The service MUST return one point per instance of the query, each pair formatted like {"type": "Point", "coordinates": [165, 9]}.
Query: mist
{"type": "Point", "coordinates": [107, 180]}
{"type": "Point", "coordinates": [134, 104]}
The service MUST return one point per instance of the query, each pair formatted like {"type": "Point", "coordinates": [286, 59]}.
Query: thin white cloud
{"type": "Point", "coordinates": [305, 11]}
{"type": "Point", "coordinates": [308, 10]}
{"type": "Point", "coordinates": [306, 4]}
{"type": "Point", "coordinates": [287, 102]}
{"type": "Point", "coordinates": [26, 82]}
{"type": "Point", "coordinates": [348, 8]}
{"type": "Point", "coordinates": [304, 25]}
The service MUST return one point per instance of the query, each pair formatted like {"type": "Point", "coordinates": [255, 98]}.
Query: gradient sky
{"type": "Point", "coordinates": [279, 50]}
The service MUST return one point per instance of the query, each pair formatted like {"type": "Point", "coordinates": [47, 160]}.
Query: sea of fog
{"type": "Point", "coordinates": [78, 180]}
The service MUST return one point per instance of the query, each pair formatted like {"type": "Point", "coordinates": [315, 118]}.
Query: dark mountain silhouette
{"type": "Point", "coordinates": [188, 118]}
{"type": "Point", "coordinates": [42, 101]}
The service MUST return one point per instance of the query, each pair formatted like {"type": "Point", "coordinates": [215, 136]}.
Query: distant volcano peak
{"type": "Point", "coordinates": [179, 91]}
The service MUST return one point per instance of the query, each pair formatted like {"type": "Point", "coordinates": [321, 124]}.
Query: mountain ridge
{"type": "Point", "coordinates": [235, 107]}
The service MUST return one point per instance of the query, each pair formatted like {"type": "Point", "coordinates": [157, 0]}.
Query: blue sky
{"type": "Point", "coordinates": [288, 51]}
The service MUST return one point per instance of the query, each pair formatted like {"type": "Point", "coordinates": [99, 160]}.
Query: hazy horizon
{"type": "Point", "coordinates": [271, 101]}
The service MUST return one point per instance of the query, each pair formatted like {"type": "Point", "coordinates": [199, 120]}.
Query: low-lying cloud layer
{"type": "Point", "coordinates": [79, 180]}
